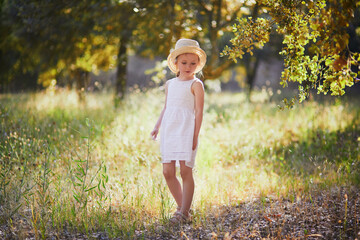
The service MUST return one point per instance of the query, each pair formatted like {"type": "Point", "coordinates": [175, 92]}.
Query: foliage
{"type": "Point", "coordinates": [315, 38]}
{"type": "Point", "coordinates": [215, 19]}
{"type": "Point", "coordinates": [64, 41]}
{"type": "Point", "coordinates": [58, 38]}
{"type": "Point", "coordinates": [204, 21]}
{"type": "Point", "coordinates": [56, 156]}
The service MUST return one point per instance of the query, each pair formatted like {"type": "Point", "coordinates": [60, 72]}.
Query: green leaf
{"type": "Point", "coordinates": [87, 122]}
{"type": "Point", "coordinates": [81, 169]}
{"type": "Point", "coordinates": [79, 179]}
{"type": "Point", "coordinates": [329, 61]}
{"type": "Point", "coordinates": [353, 74]}
{"type": "Point", "coordinates": [76, 198]}
{"type": "Point", "coordinates": [89, 189]}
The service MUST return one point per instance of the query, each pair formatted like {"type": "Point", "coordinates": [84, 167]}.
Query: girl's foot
{"type": "Point", "coordinates": [178, 209]}
{"type": "Point", "coordinates": [179, 217]}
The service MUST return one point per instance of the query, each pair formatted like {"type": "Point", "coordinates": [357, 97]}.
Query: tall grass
{"type": "Point", "coordinates": [87, 167]}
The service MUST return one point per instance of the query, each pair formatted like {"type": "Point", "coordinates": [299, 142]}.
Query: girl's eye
{"type": "Point", "coordinates": [193, 63]}
{"type": "Point", "coordinates": [184, 63]}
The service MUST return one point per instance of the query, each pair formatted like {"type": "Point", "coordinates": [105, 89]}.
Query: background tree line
{"type": "Point", "coordinates": [42, 41]}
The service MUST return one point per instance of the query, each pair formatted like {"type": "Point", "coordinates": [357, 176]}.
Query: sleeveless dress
{"type": "Point", "coordinates": [178, 123]}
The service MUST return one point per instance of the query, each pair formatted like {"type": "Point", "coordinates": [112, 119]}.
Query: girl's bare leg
{"type": "Point", "coordinates": [169, 171]}
{"type": "Point", "coordinates": [188, 187]}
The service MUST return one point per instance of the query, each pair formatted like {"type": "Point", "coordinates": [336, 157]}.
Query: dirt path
{"type": "Point", "coordinates": [333, 214]}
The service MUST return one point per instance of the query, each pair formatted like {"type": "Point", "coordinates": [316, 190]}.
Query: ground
{"type": "Point", "coordinates": [325, 214]}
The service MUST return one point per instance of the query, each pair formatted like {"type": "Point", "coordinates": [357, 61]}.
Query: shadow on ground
{"type": "Point", "coordinates": [329, 214]}
{"type": "Point", "coordinates": [319, 153]}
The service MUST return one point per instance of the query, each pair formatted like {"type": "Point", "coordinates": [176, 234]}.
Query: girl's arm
{"type": "Point", "coordinates": [198, 91]}
{"type": "Point", "coordinates": [155, 131]}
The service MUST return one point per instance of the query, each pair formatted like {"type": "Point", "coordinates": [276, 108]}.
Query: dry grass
{"type": "Point", "coordinates": [91, 171]}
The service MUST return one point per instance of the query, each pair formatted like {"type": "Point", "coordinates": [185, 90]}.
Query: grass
{"type": "Point", "coordinates": [86, 168]}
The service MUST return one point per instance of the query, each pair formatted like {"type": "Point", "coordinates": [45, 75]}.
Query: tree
{"type": "Point", "coordinates": [123, 22]}
{"type": "Point", "coordinates": [205, 21]}
{"type": "Point", "coordinates": [61, 38]}
{"type": "Point", "coordinates": [67, 39]}
{"type": "Point", "coordinates": [315, 38]}
{"type": "Point", "coordinates": [209, 22]}
{"type": "Point", "coordinates": [135, 25]}
{"type": "Point", "coordinates": [12, 64]}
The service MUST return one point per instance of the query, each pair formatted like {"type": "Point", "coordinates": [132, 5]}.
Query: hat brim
{"type": "Point", "coordinates": [186, 49]}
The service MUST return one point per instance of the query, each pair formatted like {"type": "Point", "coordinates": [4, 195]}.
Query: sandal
{"type": "Point", "coordinates": [179, 217]}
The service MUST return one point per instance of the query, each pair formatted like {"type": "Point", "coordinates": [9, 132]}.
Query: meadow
{"type": "Point", "coordinates": [89, 170]}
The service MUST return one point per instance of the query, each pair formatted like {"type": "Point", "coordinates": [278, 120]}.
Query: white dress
{"type": "Point", "coordinates": [178, 123]}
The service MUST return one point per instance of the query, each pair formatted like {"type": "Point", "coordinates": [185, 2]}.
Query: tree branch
{"type": "Point", "coordinates": [212, 73]}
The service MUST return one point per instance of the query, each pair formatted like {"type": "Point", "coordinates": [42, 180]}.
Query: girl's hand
{"type": "Point", "coordinates": [154, 133]}
{"type": "Point", "coordinates": [195, 142]}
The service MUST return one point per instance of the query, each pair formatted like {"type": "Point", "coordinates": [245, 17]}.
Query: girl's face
{"type": "Point", "coordinates": [187, 64]}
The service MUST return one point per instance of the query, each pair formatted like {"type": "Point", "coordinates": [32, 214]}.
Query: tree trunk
{"type": "Point", "coordinates": [214, 67]}
{"type": "Point", "coordinates": [82, 81]}
{"type": "Point", "coordinates": [121, 78]}
{"type": "Point", "coordinates": [252, 63]}
{"type": "Point", "coordinates": [251, 66]}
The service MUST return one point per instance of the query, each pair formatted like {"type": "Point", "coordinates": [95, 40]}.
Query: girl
{"type": "Point", "coordinates": [180, 122]}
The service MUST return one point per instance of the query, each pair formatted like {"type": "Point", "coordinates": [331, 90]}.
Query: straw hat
{"type": "Point", "coordinates": [186, 46]}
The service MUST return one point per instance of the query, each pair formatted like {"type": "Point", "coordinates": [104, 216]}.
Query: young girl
{"type": "Point", "coordinates": [180, 122]}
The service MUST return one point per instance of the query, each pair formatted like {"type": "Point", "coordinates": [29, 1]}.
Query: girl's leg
{"type": "Point", "coordinates": [188, 187]}
{"type": "Point", "coordinates": [169, 171]}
